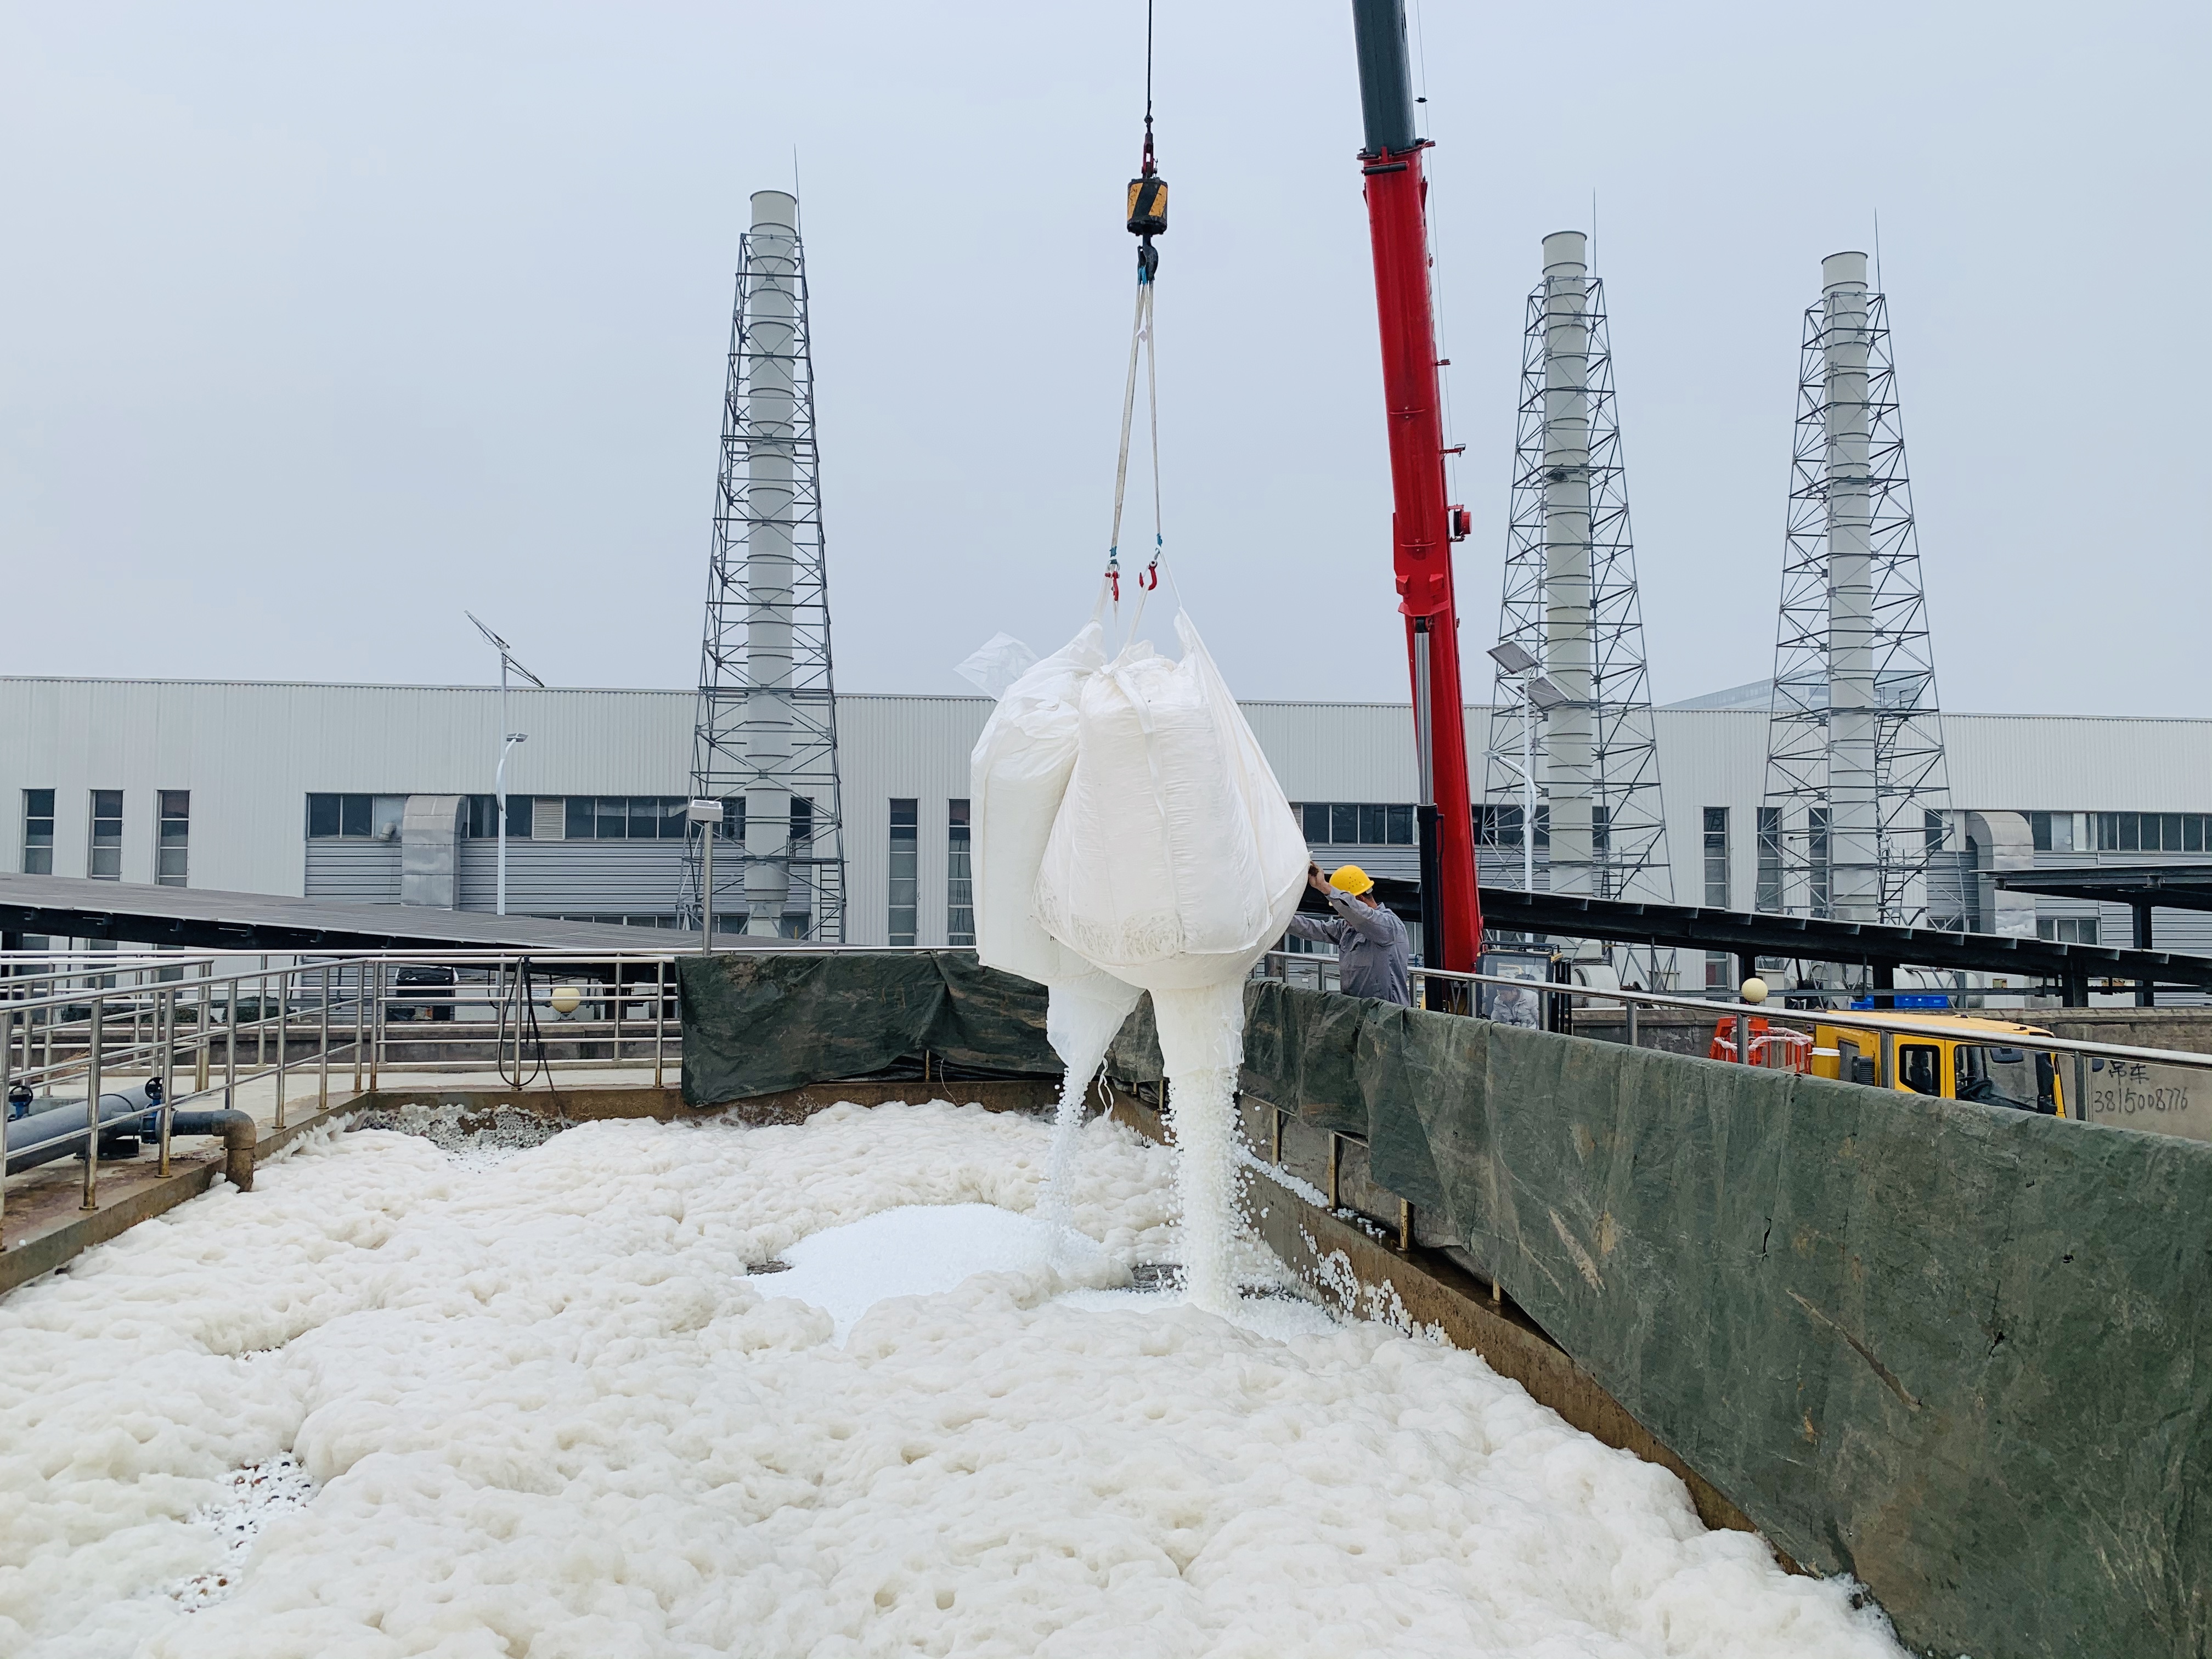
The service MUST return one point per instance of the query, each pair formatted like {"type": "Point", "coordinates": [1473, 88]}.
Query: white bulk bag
{"type": "Point", "coordinates": [1016, 777]}
{"type": "Point", "coordinates": [1173, 862]}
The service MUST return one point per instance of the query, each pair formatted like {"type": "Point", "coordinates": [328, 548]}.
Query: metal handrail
{"type": "Point", "coordinates": [1892, 1025]}
{"type": "Point", "coordinates": [361, 990]}
{"type": "Point", "coordinates": [340, 1003]}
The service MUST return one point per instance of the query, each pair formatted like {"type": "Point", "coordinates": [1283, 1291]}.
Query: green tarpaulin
{"type": "Point", "coordinates": [1961, 1352]}
{"type": "Point", "coordinates": [757, 1023]}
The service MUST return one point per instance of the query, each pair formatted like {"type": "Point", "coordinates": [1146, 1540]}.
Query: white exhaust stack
{"type": "Point", "coordinates": [1855, 823]}
{"type": "Point", "coordinates": [1568, 658]}
{"type": "Point", "coordinates": [769, 414]}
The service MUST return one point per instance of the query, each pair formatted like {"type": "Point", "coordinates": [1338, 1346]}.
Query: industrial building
{"type": "Point", "coordinates": [337, 792]}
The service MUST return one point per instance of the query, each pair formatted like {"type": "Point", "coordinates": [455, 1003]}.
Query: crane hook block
{"type": "Point", "coordinates": [1148, 205]}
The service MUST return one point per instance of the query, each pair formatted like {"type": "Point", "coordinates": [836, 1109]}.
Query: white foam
{"type": "Point", "coordinates": [548, 1411]}
{"type": "Point", "coordinates": [915, 1250]}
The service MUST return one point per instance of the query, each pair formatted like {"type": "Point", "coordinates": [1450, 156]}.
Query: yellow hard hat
{"type": "Point", "coordinates": [1351, 879]}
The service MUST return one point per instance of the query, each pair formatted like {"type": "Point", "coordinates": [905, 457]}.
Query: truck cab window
{"type": "Point", "coordinates": [1918, 1068]}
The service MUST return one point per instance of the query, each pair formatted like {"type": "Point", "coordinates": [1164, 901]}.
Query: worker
{"type": "Point", "coordinates": [1374, 958]}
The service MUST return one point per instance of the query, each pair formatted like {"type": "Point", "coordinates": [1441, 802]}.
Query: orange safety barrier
{"type": "Point", "coordinates": [1782, 1049]}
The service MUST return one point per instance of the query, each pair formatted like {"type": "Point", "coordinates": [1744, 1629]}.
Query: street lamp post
{"type": "Point", "coordinates": [498, 795]}
{"type": "Point", "coordinates": [1539, 693]}
{"type": "Point", "coordinates": [707, 816]}
{"type": "Point", "coordinates": [508, 737]}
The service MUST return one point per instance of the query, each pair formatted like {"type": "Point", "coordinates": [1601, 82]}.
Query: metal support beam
{"type": "Point", "coordinates": [1885, 984]}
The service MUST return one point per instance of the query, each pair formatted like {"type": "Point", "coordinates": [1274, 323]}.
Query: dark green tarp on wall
{"type": "Point", "coordinates": [756, 1022]}
{"type": "Point", "coordinates": [1961, 1352]}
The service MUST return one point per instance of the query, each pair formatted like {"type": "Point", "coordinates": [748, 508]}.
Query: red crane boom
{"type": "Point", "coordinates": [1424, 525]}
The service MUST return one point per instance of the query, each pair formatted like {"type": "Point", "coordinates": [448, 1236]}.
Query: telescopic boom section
{"type": "Point", "coordinates": [1423, 523]}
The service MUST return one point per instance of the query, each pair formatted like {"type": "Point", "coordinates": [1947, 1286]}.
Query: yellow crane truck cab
{"type": "Point", "coordinates": [1953, 1056]}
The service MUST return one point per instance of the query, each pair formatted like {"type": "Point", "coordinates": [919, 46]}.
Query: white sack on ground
{"type": "Point", "coordinates": [1017, 776]}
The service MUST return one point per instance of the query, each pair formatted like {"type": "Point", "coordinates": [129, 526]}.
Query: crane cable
{"type": "Point", "coordinates": [1147, 206]}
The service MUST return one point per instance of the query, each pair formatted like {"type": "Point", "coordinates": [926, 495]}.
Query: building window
{"type": "Point", "coordinates": [2067, 930]}
{"type": "Point", "coordinates": [621, 817]}
{"type": "Point", "coordinates": [959, 879]}
{"type": "Point", "coordinates": [2152, 832]}
{"type": "Point", "coordinates": [1718, 966]}
{"type": "Point", "coordinates": [906, 860]}
{"type": "Point", "coordinates": [1357, 824]}
{"type": "Point", "coordinates": [106, 862]}
{"type": "Point", "coordinates": [173, 848]}
{"type": "Point", "coordinates": [37, 832]}
{"type": "Point", "coordinates": [356, 818]}
{"type": "Point", "coordinates": [1716, 857]}
{"type": "Point", "coordinates": [1769, 896]}
{"type": "Point", "coordinates": [1500, 826]}
{"type": "Point", "coordinates": [483, 817]}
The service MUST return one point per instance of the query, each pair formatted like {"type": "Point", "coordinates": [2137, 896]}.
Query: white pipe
{"type": "Point", "coordinates": [1855, 831]}
{"type": "Point", "coordinates": [1569, 735]}
{"type": "Point", "coordinates": [772, 319]}
{"type": "Point", "coordinates": [499, 789]}
{"type": "Point", "coordinates": [1527, 787]}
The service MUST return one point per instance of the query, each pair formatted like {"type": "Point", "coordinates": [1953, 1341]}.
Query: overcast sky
{"type": "Point", "coordinates": [318, 323]}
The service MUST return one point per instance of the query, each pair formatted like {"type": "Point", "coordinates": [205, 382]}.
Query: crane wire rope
{"type": "Point", "coordinates": [1147, 204]}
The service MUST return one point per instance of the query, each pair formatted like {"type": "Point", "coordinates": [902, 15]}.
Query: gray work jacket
{"type": "Point", "coordinates": [1374, 958]}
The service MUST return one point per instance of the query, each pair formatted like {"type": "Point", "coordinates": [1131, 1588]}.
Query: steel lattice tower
{"type": "Point", "coordinates": [1570, 602]}
{"type": "Point", "coordinates": [765, 743]}
{"type": "Point", "coordinates": [1856, 787]}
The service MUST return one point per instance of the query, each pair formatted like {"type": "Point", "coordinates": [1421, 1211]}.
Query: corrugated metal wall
{"type": "Point", "coordinates": [354, 871]}
{"type": "Point", "coordinates": [251, 754]}
{"type": "Point", "coordinates": [573, 877]}
{"type": "Point", "coordinates": [891, 748]}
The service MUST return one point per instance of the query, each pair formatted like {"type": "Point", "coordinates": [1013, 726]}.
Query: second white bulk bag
{"type": "Point", "coordinates": [1174, 861]}
{"type": "Point", "coordinates": [1016, 775]}
{"type": "Point", "coordinates": [1017, 778]}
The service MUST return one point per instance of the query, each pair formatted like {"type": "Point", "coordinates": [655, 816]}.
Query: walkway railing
{"type": "Point", "coordinates": [1432, 988]}
{"type": "Point", "coordinates": [205, 1032]}
{"type": "Point", "coordinates": [198, 1031]}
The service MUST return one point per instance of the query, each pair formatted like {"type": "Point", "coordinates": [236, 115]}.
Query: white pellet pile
{"type": "Point", "coordinates": [544, 1409]}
